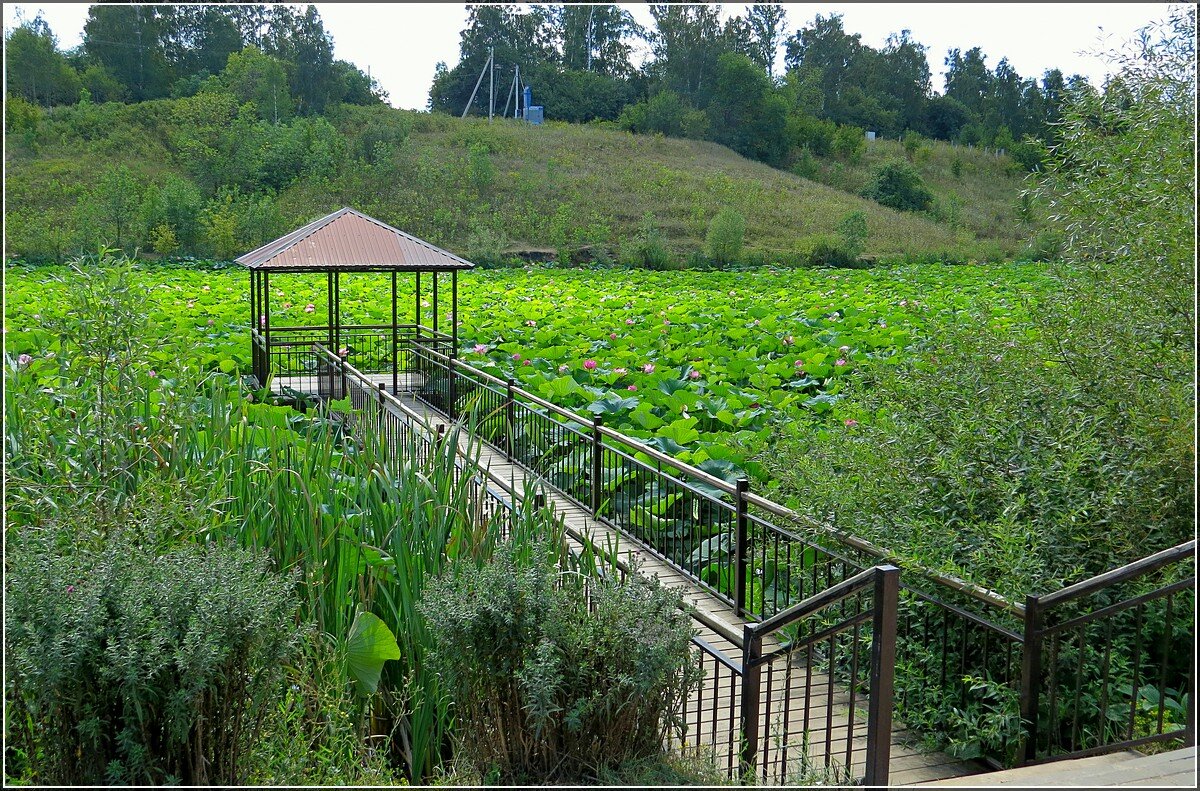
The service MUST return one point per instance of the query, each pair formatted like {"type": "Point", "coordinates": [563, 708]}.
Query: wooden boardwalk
{"type": "Point", "coordinates": [1129, 768]}
{"type": "Point", "coordinates": [721, 628]}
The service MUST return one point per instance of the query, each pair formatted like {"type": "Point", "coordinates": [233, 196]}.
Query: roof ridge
{"type": "Point", "coordinates": [406, 235]}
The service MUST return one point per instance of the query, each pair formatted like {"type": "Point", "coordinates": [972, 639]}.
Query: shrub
{"type": "Point", "coordinates": [725, 235]}
{"type": "Point", "coordinates": [162, 239]}
{"type": "Point", "coordinates": [485, 245]}
{"type": "Point", "coordinates": [554, 678]}
{"type": "Point", "coordinates": [849, 143]}
{"type": "Point", "coordinates": [853, 232]}
{"type": "Point", "coordinates": [898, 185]}
{"type": "Point", "coordinates": [132, 667]}
{"type": "Point", "coordinates": [646, 249]}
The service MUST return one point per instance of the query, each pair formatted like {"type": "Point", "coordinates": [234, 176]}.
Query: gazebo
{"type": "Point", "coordinates": [399, 354]}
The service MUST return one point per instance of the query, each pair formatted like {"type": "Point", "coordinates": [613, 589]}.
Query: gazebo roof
{"type": "Point", "coordinates": [350, 240]}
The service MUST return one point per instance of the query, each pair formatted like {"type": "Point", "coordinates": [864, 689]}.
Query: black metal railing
{"type": "Point", "coordinates": [1108, 662]}
{"type": "Point", "coordinates": [286, 356]}
{"type": "Point", "coordinates": [959, 647]}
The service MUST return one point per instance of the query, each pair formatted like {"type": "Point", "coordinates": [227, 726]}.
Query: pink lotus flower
{"type": "Point", "coordinates": [788, 341]}
{"type": "Point", "coordinates": [883, 322]}
{"type": "Point", "coordinates": [840, 361]}
{"type": "Point", "coordinates": [851, 422]}
{"type": "Point", "coordinates": [629, 322]}
{"type": "Point", "coordinates": [424, 303]}
{"type": "Point", "coordinates": [526, 362]}
{"type": "Point", "coordinates": [589, 365]}
{"type": "Point", "coordinates": [287, 305]}
{"type": "Point", "coordinates": [843, 349]}
{"type": "Point", "coordinates": [210, 322]}
{"type": "Point", "coordinates": [262, 321]}
{"type": "Point", "coordinates": [562, 369]}
{"type": "Point", "coordinates": [694, 374]}
{"type": "Point", "coordinates": [756, 322]}
{"type": "Point", "coordinates": [309, 308]}
{"type": "Point", "coordinates": [531, 323]}
{"type": "Point", "coordinates": [342, 352]}
{"type": "Point", "coordinates": [24, 359]}
{"type": "Point", "coordinates": [153, 374]}
{"type": "Point", "coordinates": [648, 368]}
{"type": "Point", "coordinates": [517, 356]}
{"type": "Point", "coordinates": [70, 589]}
{"type": "Point", "coordinates": [903, 302]}
{"type": "Point", "coordinates": [631, 388]}
{"type": "Point", "coordinates": [205, 288]}
{"type": "Point", "coordinates": [479, 348]}
{"type": "Point", "coordinates": [37, 315]}
{"type": "Point", "coordinates": [612, 336]}
{"type": "Point", "coordinates": [620, 371]}
{"type": "Point", "coordinates": [666, 321]}
{"type": "Point", "coordinates": [190, 306]}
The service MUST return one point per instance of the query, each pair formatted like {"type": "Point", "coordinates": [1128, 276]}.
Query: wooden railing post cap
{"type": "Point", "coordinates": [743, 485]}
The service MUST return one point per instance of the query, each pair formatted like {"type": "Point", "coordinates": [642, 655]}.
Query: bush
{"type": "Point", "coordinates": [485, 246]}
{"type": "Point", "coordinates": [132, 667]}
{"type": "Point", "coordinates": [555, 678]}
{"type": "Point", "coordinates": [898, 185]}
{"type": "Point", "coordinates": [647, 249]}
{"type": "Point", "coordinates": [849, 143]}
{"type": "Point", "coordinates": [853, 232]}
{"type": "Point", "coordinates": [725, 234]}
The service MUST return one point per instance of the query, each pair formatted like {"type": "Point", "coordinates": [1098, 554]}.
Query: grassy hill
{"type": "Point", "coordinates": [474, 187]}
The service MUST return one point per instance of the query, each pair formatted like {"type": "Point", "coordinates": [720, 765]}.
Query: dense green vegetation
{"type": "Point", "coordinates": [231, 126]}
{"type": "Point", "coordinates": [206, 177]}
{"type": "Point", "coordinates": [149, 648]}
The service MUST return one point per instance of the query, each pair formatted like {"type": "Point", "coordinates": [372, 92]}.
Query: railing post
{"type": "Point", "coordinates": [741, 547]}
{"type": "Point", "coordinates": [451, 409]}
{"type": "Point", "coordinates": [597, 454]}
{"type": "Point", "coordinates": [1031, 671]}
{"type": "Point", "coordinates": [510, 423]}
{"type": "Point", "coordinates": [883, 666]}
{"type": "Point", "coordinates": [749, 709]}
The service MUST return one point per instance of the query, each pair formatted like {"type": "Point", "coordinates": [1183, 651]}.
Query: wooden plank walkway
{"type": "Point", "coordinates": [1129, 768]}
{"type": "Point", "coordinates": [721, 628]}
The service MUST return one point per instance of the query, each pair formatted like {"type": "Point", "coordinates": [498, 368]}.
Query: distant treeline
{"type": "Point", "coordinates": [717, 81]}
{"type": "Point", "coordinates": [133, 53]}
{"type": "Point", "coordinates": [707, 79]}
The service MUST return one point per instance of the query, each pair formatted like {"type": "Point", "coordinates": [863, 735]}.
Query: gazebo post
{"type": "Point", "coordinates": [337, 313]}
{"type": "Point", "coordinates": [435, 301]}
{"type": "Point", "coordinates": [265, 290]}
{"type": "Point", "coordinates": [454, 313]}
{"type": "Point", "coordinates": [395, 373]}
{"type": "Point", "coordinates": [329, 310]}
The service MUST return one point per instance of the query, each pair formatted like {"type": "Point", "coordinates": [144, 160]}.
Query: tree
{"type": "Point", "coordinates": [595, 38]}
{"type": "Point", "coordinates": [305, 44]}
{"type": "Point", "coordinates": [968, 80]}
{"type": "Point", "coordinates": [261, 80]}
{"type": "Point", "coordinates": [35, 69]}
{"type": "Point", "coordinates": [687, 41]}
{"type": "Point", "coordinates": [903, 76]}
{"type": "Point", "coordinates": [198, 38]}
{"type": "Point", "coordinates": [126, 39]}
{"type": "Point", "coordinates": [746, 113]}
{"type": "Point", "coordinates": [767, 23]}
{"type": "Point", "coordinates": [824, 48]}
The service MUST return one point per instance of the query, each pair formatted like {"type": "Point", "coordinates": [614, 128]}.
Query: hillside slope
{"type": "Point", "coordinates": [471, 186]}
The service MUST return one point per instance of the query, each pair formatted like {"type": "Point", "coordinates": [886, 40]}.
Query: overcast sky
{"type": "Point", "coordinates": [400, 43]}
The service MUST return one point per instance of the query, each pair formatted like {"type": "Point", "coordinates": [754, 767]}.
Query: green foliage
{"type": "Point", "coordinates": [131, 666]}
{"type": "Point", "coordinates": [555, 678]}
{"type": "Point", "coordinates": [854, 232]}
{"type": "Point", "coordinates": [848, 143]}
{"type": "Point", "coordinates": [899, 186]}
{"type": "Point", "coordinates": [726, 232]}
{"type": "Point", "coordinates": [163, 240]}
{"type": "Point", "coordinates": [252, 76]}
{"type": "Point", "coordinates": [647, 248]}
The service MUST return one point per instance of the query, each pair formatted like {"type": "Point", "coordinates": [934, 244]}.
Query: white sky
{"type": "Point", "coordinates": [400, 43]}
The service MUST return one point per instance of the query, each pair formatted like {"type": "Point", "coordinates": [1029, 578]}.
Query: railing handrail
{"type": "Point", "coordinates": [819, 601]}
{"type": "Point", "coordinates": [977, 592]}
{"type": "Point", "coordinates": [350, 327]}
{"type": "Point", "coordinates": [1118, 575]}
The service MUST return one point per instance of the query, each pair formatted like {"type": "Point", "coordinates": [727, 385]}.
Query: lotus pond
{"type": "Point", "coordinates": [699, 364]}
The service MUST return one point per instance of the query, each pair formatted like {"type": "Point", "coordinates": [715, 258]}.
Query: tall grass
{"type": "Point", "coordinates": [363, 523]}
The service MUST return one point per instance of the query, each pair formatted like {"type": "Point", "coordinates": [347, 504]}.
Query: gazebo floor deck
{"type": "Point", "coordinates": [716, 624]}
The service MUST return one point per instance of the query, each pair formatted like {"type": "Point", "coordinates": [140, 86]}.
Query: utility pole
{"type": "Point", "coordinates": [478, 82]}
{"type": "Point", "coordinates": [491, 83]}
